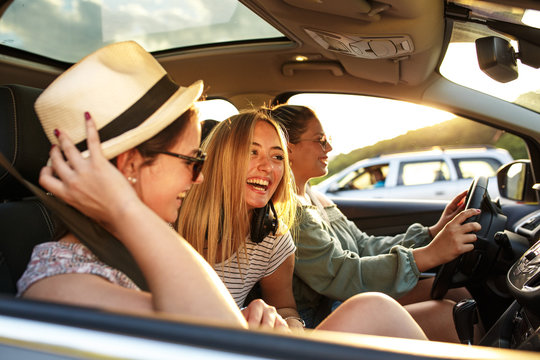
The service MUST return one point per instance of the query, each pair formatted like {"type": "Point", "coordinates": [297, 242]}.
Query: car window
{"type": "Point", "coordinates": [364, 178]}
{"type": "Point", "coordinates": [425, 172]}
{"type": "Point", "coordinates": [470, 168]}
{"type": "Point", "coordinates": [215, 109]}
{"type": "Point", "coordinates": [366, 127]}
{"type": "Point", "coordinates": [69, 30]}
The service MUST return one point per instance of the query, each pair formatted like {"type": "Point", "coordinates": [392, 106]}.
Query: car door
{"type": "Point", "coordinates": [469, 167]}
{"type": "Point", "coordinates": [390, 217]}
{"type": "Point", "coordinates": [424, 179]}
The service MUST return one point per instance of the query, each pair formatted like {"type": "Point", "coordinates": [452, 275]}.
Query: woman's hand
{"type": "Point", "coordinates": [456, 238]}
{"type": "Point", "coordinates": [450, 211]}
{"type": "Point", "coordinates": [260, 315]}
{"type": "Point", "coordinates": [92, 185]}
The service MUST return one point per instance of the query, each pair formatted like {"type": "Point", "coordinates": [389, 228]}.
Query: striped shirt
{"type": "Point", "coordinates": [262, 260]}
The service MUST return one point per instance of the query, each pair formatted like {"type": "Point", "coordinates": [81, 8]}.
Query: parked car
{"type": "Point", "coordinates": [438, 174]}
{"type": "Point", "coordinates": [260, 52]}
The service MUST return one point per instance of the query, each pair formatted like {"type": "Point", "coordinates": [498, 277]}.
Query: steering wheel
{"type": "Point", "coordinates": [474, 264]}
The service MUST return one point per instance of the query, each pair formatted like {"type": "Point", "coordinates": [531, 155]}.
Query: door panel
{"type": "Point", "coordinates": [390, 217]}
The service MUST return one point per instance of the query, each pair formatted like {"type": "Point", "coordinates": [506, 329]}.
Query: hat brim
{"type": "Point", "coordinates": [175, 106]}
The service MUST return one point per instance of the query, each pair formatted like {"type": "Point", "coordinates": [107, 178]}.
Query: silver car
{"type": "Point", "coordinates": [437, 174]}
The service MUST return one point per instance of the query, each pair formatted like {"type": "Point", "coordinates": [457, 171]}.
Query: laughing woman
{"type": "Point", "coordinates": [239, 217]}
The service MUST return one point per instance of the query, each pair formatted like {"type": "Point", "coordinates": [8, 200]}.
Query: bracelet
{"type": "Point", "coordinates": [299, 319]}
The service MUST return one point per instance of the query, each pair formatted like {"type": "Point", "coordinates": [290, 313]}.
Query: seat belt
{"type": "Point", "coordinates": [101, 242]}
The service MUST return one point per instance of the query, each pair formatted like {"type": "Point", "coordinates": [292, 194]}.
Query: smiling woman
{"type": "Point", "coordinates": [238, 145]}
{"type": "Point", "coordinates": [140, 183]}
{"type": "Point", "coordinates": [231, 220]}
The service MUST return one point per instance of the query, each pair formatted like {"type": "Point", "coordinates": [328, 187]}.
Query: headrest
{"type": "Point", "coordinates": [22, 139]}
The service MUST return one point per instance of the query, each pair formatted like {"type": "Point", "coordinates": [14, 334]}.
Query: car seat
{"type": "Point", "coordinates": [24, 221]}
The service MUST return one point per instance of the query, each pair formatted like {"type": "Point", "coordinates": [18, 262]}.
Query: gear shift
{"type": "Point", "coordinates": [465, 316]}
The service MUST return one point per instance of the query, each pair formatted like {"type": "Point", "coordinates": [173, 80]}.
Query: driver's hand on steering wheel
{"type": "Point", "coordinates": [453, 208]}
{"type": "Point", "coordinates": [456, 238]}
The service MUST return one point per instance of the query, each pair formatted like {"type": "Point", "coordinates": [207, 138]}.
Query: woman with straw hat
{"type": "Point", "coordinates": [150, 132]}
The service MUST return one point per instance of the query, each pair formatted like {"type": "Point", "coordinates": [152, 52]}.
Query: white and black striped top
{"type": "Point", "coordinates": [263, 259]}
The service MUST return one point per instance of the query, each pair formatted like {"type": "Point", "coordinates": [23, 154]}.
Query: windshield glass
{"type": "Point", "coordinates": [461, 54]}
{"type": "Point", "coordinates": [67, 30]}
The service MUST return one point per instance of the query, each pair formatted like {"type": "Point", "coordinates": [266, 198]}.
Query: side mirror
{"type": "Point", "coordinates": [515, 181]}
{"type": "Point", "coordinates": [497, 58]}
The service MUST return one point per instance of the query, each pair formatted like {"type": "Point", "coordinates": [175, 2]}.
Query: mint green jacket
{"type": "Point", "coordinates": [337, 261]}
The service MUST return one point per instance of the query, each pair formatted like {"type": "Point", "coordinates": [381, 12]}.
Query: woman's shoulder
{"type": "Point", "coordinates": [67, 257]}
{"type": "Point", "coordinates": [323, 199]}
{"type": "Point", "coordinates": [61, 248]}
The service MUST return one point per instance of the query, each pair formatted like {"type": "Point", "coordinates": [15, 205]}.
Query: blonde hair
{"type": "Point", "coordinates": [214, 213]}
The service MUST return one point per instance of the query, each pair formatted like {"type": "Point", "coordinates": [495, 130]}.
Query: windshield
{"type": "Point", "coordinates": [67, 30]}
{"type": "Point", "coordinates": [461, 54]}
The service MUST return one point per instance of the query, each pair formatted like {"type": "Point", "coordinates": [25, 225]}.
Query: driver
{"type": "Point", "coordinates": [335, 260]}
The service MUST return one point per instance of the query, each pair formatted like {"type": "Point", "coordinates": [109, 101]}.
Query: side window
{"type": "Point", "coordinates": [425, 172]}
{"type": "Point", "coordinates": [470, 168]}
{"type": "Point", "coordinates": [346, 182]}
{"type": "Point", "coordinates": [365, 178]}
{"type": "Point", "coordinates": [215, 109]}
{"type": "Point", "coordinates": [366, 129]}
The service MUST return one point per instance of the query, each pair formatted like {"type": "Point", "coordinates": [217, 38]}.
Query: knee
{"type": "Point", "coordinates": [370, 300]}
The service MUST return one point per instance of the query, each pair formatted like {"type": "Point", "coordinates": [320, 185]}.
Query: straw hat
{"type": "Point", "coordinates": [126, 91]}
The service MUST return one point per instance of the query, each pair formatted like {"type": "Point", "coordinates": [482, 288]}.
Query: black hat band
{"type": "Point", "coordinates": [137, 113]}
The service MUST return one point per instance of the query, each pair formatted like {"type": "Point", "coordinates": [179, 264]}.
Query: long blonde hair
{"type": "Point", "coordinates": [215, 213]}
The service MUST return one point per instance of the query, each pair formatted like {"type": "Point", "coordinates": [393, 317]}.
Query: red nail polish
{"type": "Point", "coordinates": [56, 132]}
{"type": "Point", "coordinates": [87, 115]}
{"type": "Point", "coordinates": [53, 146]}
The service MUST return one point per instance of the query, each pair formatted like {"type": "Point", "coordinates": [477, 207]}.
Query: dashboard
{"type": "Point", "coordinates": [519, 326]}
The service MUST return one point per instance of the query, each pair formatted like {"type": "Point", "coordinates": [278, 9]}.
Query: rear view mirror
{"type": "Point", "coordinates": [516, 182]}
{"type": "Point", "coordinates": [497, 58]}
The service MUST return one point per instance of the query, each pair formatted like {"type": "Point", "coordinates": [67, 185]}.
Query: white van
{"type": "Point", "coordinates": [437, 174]}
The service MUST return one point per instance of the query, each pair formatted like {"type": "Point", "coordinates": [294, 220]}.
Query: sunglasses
{"type": "Point", "coordinates": [323, 141]}
{"type": "Point", "coordinates": [197, 161]}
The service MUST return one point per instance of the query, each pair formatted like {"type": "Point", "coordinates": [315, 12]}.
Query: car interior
{"type": "Point", "coordinates": [391, 49]}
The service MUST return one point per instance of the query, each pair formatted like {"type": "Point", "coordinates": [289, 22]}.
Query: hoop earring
{"type": "Point", "coordinates": [132, 180]}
